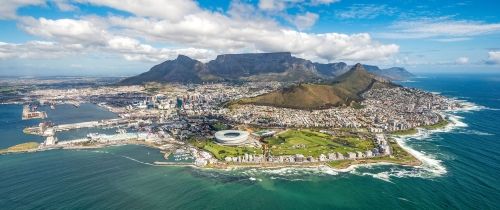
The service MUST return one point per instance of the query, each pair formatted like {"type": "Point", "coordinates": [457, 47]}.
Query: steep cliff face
{"type": "Point", "coordinates": [331, 69]}
{"type": "Point", "coordinates": [238, 65]}
{"type": "Point", "coordinates": [281, 66]}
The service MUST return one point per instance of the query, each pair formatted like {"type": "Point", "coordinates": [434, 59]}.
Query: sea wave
{"type": "Point", "coordinates": [468, 107]}
{"type": "Point", "coordinates": [408, 81]}
{"type": "Point", "coordinates": [296, 173]}
{"type": "Point", "coordinates": [431, 166]}
{"type": "Point", "coordinates": [475, 132]}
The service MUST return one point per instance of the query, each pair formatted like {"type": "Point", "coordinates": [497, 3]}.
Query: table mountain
{"type": "Point", "coordinates": [279, 66]}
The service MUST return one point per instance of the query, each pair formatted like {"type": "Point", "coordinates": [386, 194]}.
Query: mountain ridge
{"type": "Point", "coordinates": [277, 66]}
{"type": "Point", "coordinates": [343, 91]}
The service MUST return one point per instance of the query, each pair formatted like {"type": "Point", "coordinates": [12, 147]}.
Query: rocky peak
{"type": "Point", "coordinates": [184, 59]}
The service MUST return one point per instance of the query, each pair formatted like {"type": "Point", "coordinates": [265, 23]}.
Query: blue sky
{"type": "Point", "coordinates": [125, 37]}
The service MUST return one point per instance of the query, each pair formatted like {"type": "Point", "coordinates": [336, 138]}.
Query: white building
{"type": "Point", "coordinates": [231, 137]}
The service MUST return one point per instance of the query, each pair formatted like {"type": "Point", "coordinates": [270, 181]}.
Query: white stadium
{"type": "Point", "coordinates": [232, 137]}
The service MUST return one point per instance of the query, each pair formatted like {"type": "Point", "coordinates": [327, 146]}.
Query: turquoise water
{"type": "Point", "coordinates": [460, 171]}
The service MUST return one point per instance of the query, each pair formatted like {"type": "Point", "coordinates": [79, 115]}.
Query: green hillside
{"type": "Point", "coordinates": [343, 91]}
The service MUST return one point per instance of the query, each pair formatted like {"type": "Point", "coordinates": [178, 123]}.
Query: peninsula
{"type": "Point", "coordinates": [304, 119]}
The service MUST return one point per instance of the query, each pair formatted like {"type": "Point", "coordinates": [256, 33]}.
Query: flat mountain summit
{"type": "Point", "coordinates": [279, 66]}
{"type": "Point", "coordinates": [345, 90]}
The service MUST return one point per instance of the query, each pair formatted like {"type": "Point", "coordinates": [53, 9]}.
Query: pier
{"type": "Point", "coordinates": [173, 163]}
{"type": "Point", "coordinates": [43, 130]}
{"type": "Point", "coordinates": [90, 124]}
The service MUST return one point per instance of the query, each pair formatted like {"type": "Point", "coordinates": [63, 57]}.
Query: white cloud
{"type": "Point", "coordinates": [92, 35]}
{"type": "Point", "coordinates": [8, 8]}
{"type": "Point", "coordinates": [280, 5]}
{"type": "Point", "coordinates": [200, 33]}
{"type": "Point", "coordinates": [442, 27]}
{"type": "Point", "coordinates": [272, 5]}
{"type": "Point", "coordinates": [319, 2]}
{"type": "Point", "coordinates": [453, 39]}
{"type": "Point", "coordinates": [494, 57]}
{"type": "Point", "coordinates": [66, 30]}
{"type": "Point", "coordinates": [166, 9]}
{"type": "Point", "coordinates": [462, 60]}
{"type": "Point", "coordinates": [305, 21]}
{"type": "Point", "coordinates": [130, 49]}
{"type": "Point", "coordinates": [365, 11]}
{"type": "Point", "coordinates": [219, 32]}
{"type": "Point", "coordinates": [38, 49]}
{"type": "Point", "coordinates": [65, 5]}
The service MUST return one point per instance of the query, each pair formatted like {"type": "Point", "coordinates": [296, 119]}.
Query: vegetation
{"type": "Point", "coordinates": [220, 151]}
{"type": "Point", "coordinates": [312, 143]}
{"type": "Point", "coordinates": [25, 147]}
{"type": "Point", "coordinates": [7, 90]}
{"type": "Point", "coordinates": [399, 155]}
{"type": "Point", "coordinates": [153, 87]}
{"type": "Point", "coordinates": [410, 131]}
{"type": "Point", "coordinates": [339, 164]}
{"type": "Point", "coordinates": [346, 89]}
{"type": "Point", "coordinates": [442, 123]}
{"type": "Point", "coordinates": [357, 105]}
{"type": "Point", "coordinates": [218, 126]}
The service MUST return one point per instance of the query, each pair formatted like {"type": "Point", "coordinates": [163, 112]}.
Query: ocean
{"type": "Point", "coordinates": [460, 171]}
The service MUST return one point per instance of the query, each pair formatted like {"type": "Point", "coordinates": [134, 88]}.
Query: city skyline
{"type": "Point", "coordinates": [111, 38]}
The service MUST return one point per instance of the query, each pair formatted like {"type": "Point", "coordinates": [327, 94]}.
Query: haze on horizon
{"type": "Point", "coordinates": [126, 37]}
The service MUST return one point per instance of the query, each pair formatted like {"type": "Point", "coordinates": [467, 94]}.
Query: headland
{"type": "Point", "coordinates": [275, 124]}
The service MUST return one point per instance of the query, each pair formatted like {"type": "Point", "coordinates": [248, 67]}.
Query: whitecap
{"type": "Point", "coordinates": [288, 173]}
{"type": "Point", "coordinates": [384, 176]}
{"type": "Point", "coordinates": [408, 81]}
{"type": "Point", "coordinates": [404, 199]}
{"type": "Point", "coordinates": [429, 164]}
{"type": "Point", "coordinates": [456, 121]}
{"type": "Point", "coordinates": [475, 132]}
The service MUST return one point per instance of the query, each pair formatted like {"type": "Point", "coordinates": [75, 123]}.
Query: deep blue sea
{"type": "Point", "coordinates": [461, 169]}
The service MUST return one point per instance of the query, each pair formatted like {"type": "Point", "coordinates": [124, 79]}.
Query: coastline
{"type": "Point", "coordinates": [351, 164]}
{"type": "Point", "coordinates": [418, 159]}
{"type": "Point", "coordinates": [339, 166]}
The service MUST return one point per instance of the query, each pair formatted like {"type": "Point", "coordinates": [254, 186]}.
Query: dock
{"type": "Point", "coordinates": [90, 124]}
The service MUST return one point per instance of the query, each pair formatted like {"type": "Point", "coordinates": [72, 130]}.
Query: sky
{"type": "Point", "coordinates": [126, 37]}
